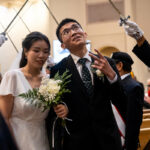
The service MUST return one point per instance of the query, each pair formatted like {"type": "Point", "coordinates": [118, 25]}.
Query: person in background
{"type": "Point", "coordinates": [48, 70]}
{"type": "Point", "coordinates": [49, 64]}
{"type": "Point", "coordinates": [0, 77]}
{"type": "Point", "coordinates": [25, 121]}
{"type": "Point", "coordinates": [135, 93]}
{"type": "Point", "coordinates": [2, 39]}
{"type": "Point", "coordinates": [93, 126]}
{"type": "Point", "coordinates": [142, 49]}
{"type": "Point", "coordinates": [147, 95]}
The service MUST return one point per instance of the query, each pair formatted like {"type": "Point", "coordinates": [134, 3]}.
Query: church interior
{"type": "Point", "coordinates": [98, 18]}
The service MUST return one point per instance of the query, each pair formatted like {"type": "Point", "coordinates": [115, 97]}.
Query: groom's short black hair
{"type": "Point", "coordinates": [62, 23]}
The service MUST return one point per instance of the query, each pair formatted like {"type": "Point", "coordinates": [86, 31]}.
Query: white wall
{"type": "Point", "coordinates": [67, 9]}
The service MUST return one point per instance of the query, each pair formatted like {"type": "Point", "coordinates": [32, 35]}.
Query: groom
{"type": "Point", "coordinates": [93, 126]}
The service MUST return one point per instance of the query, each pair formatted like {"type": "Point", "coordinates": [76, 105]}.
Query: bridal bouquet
{"type": "Point", "coordinates": [50, 91]}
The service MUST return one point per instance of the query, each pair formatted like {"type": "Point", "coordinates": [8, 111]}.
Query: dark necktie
{"type": "Point", "coordinates": [86, 76]}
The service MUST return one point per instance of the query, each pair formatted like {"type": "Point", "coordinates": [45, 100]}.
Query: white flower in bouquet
{"type": "Point", "coordinates": [49, 88]}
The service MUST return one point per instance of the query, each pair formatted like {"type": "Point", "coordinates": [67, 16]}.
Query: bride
{"type": "Point", "coordinates": [25, 121]}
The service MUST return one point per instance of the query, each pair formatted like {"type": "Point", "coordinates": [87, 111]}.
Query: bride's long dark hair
{"type": "Point", "coordinates": [28, 42]}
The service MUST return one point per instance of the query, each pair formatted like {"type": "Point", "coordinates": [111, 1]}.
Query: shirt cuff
{"type": "Point", "coordinates": [114, 80]}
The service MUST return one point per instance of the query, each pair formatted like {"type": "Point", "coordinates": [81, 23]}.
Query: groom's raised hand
{"type": "Point", "coordinates": [103, 65]}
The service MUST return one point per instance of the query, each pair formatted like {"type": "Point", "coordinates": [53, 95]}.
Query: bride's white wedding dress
{"type": "Point", "coordinates": [27, 121]}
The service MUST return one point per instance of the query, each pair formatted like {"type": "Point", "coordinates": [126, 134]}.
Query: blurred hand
{"type": "Point", "coordinates": [147, 99]}
{"type": "Point", "coordinates": [2, 39]}
{"type": "Point", "coordinates": [61, 110]}
{"type": "Point", "coordinates": [133, 30]}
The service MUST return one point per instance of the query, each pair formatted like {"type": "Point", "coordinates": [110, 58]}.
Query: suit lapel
{"type": "Point", "coordinates": [75, 75]}
{"type": "Point", "coordinates": [94, 75]}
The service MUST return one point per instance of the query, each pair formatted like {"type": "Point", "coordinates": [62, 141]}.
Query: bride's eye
{"type": "Point", "coordinates": [36, 50]}
{"type": "Point", "coordinates": [46, 51]}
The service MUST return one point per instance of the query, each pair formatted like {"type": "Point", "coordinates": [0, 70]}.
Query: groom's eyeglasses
{"type": "Point", "coordinates": [74, 27]}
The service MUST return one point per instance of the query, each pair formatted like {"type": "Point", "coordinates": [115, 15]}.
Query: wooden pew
{"type": "Point", "coordinates": [146, 111]}
{"type": "Point", "coordinates": [146, 116]}
{"type": "Point", "coordinates": [144, 137]}
{"type": "Point", "coordinates": [145, 123]}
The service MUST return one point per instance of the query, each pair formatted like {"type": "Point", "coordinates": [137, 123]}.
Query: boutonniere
{"type": "Point", "coordinates": [98, 73]}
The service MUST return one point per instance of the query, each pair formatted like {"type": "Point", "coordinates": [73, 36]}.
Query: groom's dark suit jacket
{"type": "Point", "coordinates": [143, 53]}
{"type": "Point", "coordinates": [135, 93]}
{"type": "Point", "coordinates": [93, 124]}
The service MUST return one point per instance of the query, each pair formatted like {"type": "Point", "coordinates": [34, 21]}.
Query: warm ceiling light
{"type": "Point", "coordinates": [11, 3]}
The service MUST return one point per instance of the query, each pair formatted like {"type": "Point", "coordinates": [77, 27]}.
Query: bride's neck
{"type": "Point", "coordinates": [31, 71]}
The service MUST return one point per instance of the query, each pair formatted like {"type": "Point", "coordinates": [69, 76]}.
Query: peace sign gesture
{"type": "Point", "coordinates": [103, 65]}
